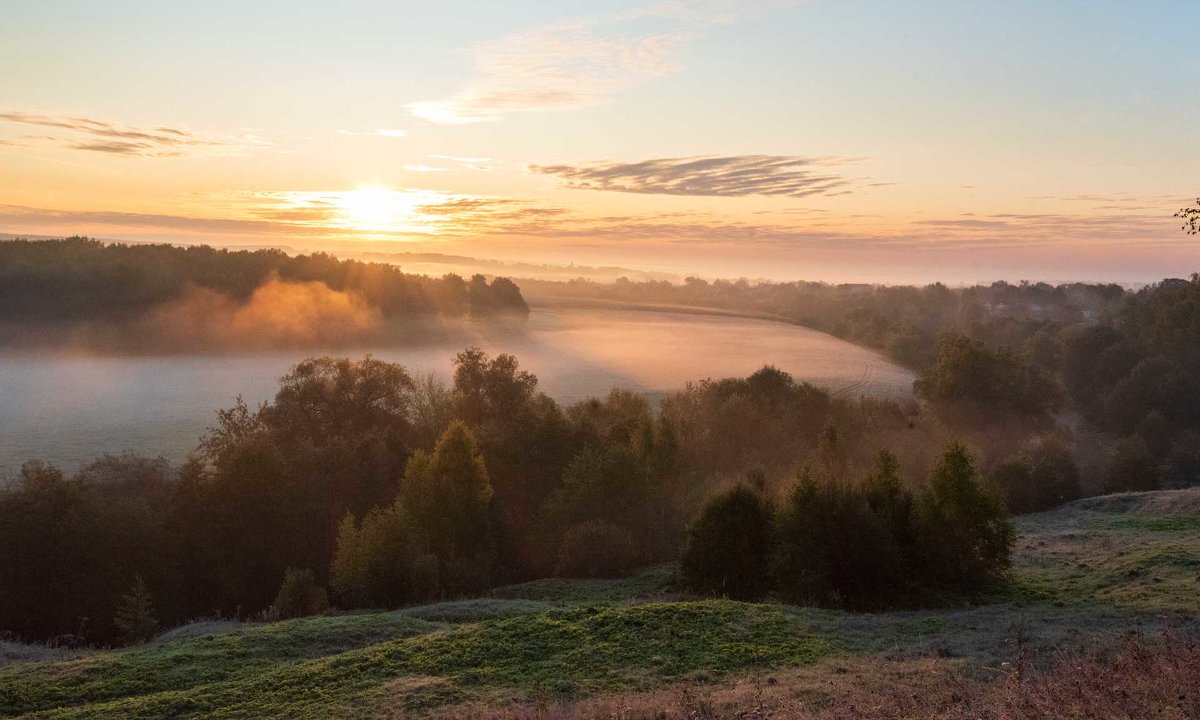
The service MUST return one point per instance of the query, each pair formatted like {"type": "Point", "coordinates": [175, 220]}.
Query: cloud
{"type": "Point", "coordinates": [433, 216]}
{"type": "Point", "coordinates": [378, 132]}
{"type": "Point", "coordinates": [729, 176]}
{"type": "Point", "coordinates": [479, 164]}
{"type": "Point", "coordinates": [24, 215]}
{"type": "Point", "coordinates": [578, 63]}
{"type": "Point", "coordinates": [106, 137]}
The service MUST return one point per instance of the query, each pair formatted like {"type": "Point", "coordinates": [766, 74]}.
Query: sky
{"type": "Point", "coordinates": [842, 140]}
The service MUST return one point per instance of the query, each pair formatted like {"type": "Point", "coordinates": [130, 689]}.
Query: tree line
{"type": "Point", "coordinates": [1096, 377]}
{"type": "Point", "coordinates": [360, 485]}
{"type": "Point", "coordinates": [51, 287]}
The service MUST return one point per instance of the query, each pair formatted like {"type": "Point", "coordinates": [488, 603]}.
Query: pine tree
{"type": "Point", "coordinates": [135, 615]}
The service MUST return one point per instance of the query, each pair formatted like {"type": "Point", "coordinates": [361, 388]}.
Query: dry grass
{"type": "Point", "coordinates": [1136, 679]}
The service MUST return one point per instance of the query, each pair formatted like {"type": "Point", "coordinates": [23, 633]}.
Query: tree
{"type": "Point", "coordinates": [489, 389]}
{"type": "Point", "coordinates": [729, 545]}
{"type": "Point", "coordinates": [969, 374]}
{"type": "Point", "coordinates": [299, 595]}
{"type": "Point", "coordinates": [602, 483]}
{"type": "Point", "coordinates": [135, 615]}
{"type": "Point", "coordinates": [965, 532]}
{"type": "Point", "coordinates": [1043, 475]}
{"type": "Point", "coordinates": [382, 562]}
{"type": "Point", "coordinates": [1132, 468]}
{"type": "Point", "coordinates": [596, 549]}
{"type": "Point", "coordinates": [51, 573]}
{"type": "Point", "coordinates": [835, 550]}
{"type": "Point", "coordinates": [1191, 218]}
{"type": "Point", "coordinates": [448, 496]}
{"type": "Point", "coordinates": [347, 424]}
{"type": "Point", "coordinates": [891, 503]}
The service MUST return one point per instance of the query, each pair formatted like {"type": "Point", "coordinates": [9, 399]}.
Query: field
{"type": "Point", "coordinates": [1085, 577]}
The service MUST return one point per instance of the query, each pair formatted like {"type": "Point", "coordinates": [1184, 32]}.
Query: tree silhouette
{"type": "Point", "coordinates": [135, 615]}
{"type": "Point", "coordinates": [1191, 218]}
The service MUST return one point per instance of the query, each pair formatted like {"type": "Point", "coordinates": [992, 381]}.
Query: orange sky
{"type": "Point", "coordinates": [862, 141]}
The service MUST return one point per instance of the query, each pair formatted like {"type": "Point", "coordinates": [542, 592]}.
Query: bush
{"type": "Point", "coordinates": [1043, 475]}
{"type": "Point", "coordinates": [300, 596]}
{"type": "Point", "coordinates": [135, 615]}
{"type": "Point", "coordinates": [1132, 467]}
{"type": "Point", "coordinates": [836, 550]}
{"type": "Point", "coordinates": [380, 563]}
{"type": "Point", "coordinates": [729, 546]}
{"type": "Point", "coordinates": [876, 545]}
{"type": "Point", "coordinates": [596, 549]}
{"type": "Point", "coordinates": [965, 532]}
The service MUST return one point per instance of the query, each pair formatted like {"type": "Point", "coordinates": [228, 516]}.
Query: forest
{"type": "Point", "coordinates": [1104, 372]}
{"type": "Point", "coordinates": [362, 486]}
{"type": "Point", "coordinates": [96, 296]}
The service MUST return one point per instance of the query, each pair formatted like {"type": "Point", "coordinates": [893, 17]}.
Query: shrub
{"type": "Point", "coordinates": [1043, 475]}
{"type": "Point", "coordinates": [1132, 467]}
{"type": "Point", "coordinates": [965, 532]}
{"type": "Point", "coordinates": [300, 596]}
{"type": "Point", "coordinates": [729, 546]}
{"type": "Point", "coordinates": [380, 563]}
{"type": "Point", "coordinates": [596, 549]}
{"type": "Point", "coordinates": [135, 615]}
{"type": "Point", "coordinates": [835, 549]}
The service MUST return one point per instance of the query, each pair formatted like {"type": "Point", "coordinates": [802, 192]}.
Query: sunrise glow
{"type": "Point", "coordinates": [820, 140]}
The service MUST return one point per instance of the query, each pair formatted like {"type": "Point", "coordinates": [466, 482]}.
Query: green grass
{"type": "Point", "coordinates": [560, 652]}
{"type": "Point", "coordinates": [1090, 570]}
{"type": "Point", "coordinates": [1135, 550]}
{"type": "Point", "coordinates": [655, 581]}
{"type": "Point", "coordinates": [195, 662]}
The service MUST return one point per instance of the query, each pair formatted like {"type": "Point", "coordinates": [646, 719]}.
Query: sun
{"type": "Point", "coordinates": [374, 208]}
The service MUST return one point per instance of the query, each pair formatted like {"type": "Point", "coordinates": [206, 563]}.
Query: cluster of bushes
{"type": "Point", "coordinates": [860, 546]}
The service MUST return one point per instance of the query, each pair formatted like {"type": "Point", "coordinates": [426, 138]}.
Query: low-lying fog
{"type": "Point", "coordinates": [68, 409]}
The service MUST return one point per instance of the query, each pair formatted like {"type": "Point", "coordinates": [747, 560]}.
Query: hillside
{"type": "Point", "coordinates": [1086, 573]}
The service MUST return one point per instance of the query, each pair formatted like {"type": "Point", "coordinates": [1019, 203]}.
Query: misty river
{"type": "Point", "coordinates": [69, 409]}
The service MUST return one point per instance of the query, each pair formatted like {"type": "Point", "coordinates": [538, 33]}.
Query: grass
{"type": "Point", "coordinates": [655, 581]}
{"type": "Point", "coordinates": [14, 652]}
{"type": "Point", "coordinates": [197, 662]}
{"type": "Point", "coordinates": [560, 652]}
{"type": "Point", "coordinates": [1134, 550]}
{"type": "Point", "coordinates": [1086, 572]}
{"type": "Point", "coordinates": [1139, 678]}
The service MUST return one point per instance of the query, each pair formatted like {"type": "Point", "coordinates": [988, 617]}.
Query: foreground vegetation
{"type": "Point", "coordinates": [565, 647]}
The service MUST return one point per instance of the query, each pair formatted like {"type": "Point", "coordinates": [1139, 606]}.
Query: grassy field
{"type": "Point", "coordinates": [1091, 571]}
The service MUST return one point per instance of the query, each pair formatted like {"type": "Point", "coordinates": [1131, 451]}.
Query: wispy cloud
{"type": "Point", "coordinates": [377, 132]}
{"type": "Point", "coordinates": [479, 164]}
{"type": "Point", "coordinates": [732, 176]}
{"type": "Point", "coordinates": [101, 136]}
{"type": "Point", "coordinates": [429, 215]}
{"type": "Point", "coordinates": [578, 63]}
